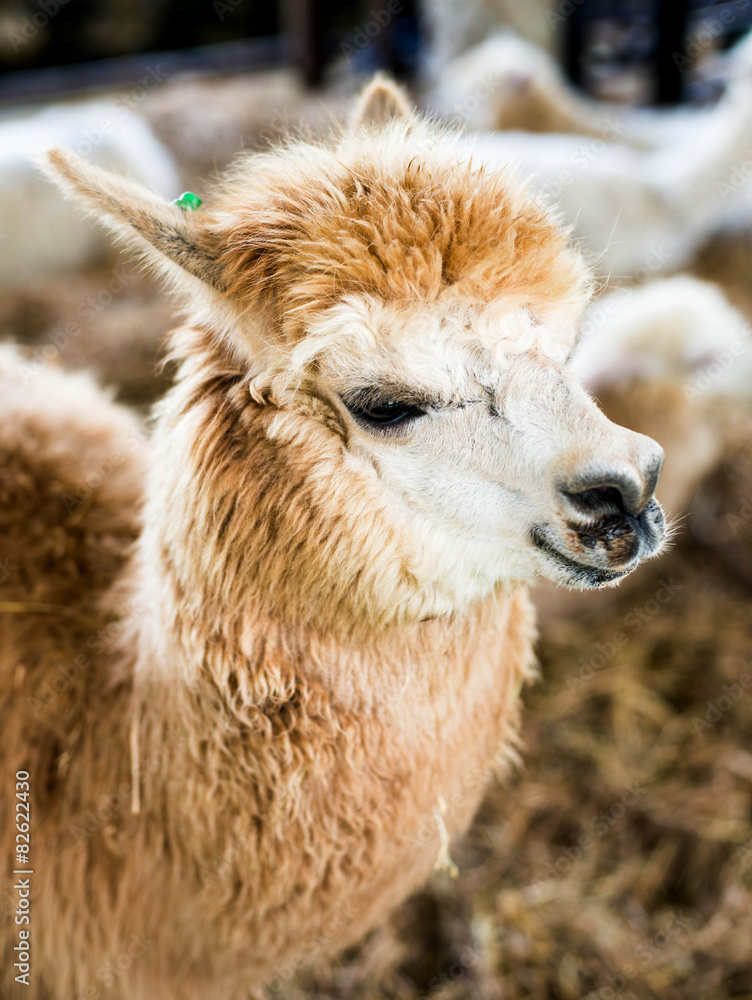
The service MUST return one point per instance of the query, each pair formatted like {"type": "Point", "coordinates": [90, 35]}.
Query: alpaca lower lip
{"type": "Point", "coordinates": [578, 573]}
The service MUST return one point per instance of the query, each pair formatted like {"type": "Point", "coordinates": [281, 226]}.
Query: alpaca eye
{"type": "Point", "coordinates": [383, 412]}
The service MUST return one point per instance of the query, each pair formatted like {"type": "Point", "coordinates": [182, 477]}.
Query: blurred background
{"type": "Point", "coordinates": [616, 859]}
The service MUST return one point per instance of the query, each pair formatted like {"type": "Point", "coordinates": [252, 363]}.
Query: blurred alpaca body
{"type": "Point", "coordinates": [637, 212]}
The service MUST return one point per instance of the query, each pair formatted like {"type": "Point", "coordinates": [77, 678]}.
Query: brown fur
{"type": "Point", "coordinates": [280, 788]}
{"type": "Point", "coordinates": [252, 761]}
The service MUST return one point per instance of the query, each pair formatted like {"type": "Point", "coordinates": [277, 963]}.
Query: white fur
{"type": "Point", "coordinates": [677, 328]}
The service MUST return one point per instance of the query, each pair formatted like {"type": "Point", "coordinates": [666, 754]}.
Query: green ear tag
{"type": "Point", "coordinates": [188, 201]}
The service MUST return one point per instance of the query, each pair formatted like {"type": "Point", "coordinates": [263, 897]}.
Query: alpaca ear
{"type": "Point", "coordinates": [382, 101]}
{"type": "Point", "coordinates": [168, 237]}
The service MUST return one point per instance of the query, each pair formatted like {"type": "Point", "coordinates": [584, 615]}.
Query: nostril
{"type": "Point", "coordinates": [604, 495]}
{"type": "Point", "coordinates": [596, 500]}
{"type": "Point", "coordinates": [609, 494]}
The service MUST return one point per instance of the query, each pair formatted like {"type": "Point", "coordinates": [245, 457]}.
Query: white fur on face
{"type": "Point", "coordinates": [505, 426]}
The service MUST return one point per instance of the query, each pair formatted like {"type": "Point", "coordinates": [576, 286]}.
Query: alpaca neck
{"type": "Point", "coordinates": [235, 680]}
{"type": "Point", "coordinates": [248, 655]}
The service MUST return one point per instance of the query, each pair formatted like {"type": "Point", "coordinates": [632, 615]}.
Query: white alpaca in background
{"type": "Point", "coordinates": [451, 27]}
{"type": "Point", "coordinates": [636, 212]}
{"type": "Point", "coordinates": [507, 82]}
{"type": "Point", "coordinates": [644, 189]}
{"type": "Point", "coordinates": [680, 328]}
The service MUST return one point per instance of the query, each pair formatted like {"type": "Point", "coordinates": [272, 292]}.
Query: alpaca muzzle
{"type": "Point", "coordinates": [610, 522]}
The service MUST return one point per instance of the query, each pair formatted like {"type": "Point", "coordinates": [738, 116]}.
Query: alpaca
{"type": "Point", "coordinates": [680, 328]}
{"type": "Point", "coordinates": [260, 673]}
{"type": "Point", "coordinates": [508, 83]}
{"type": "Point", "coordinates": [644, 189]}
{"type": "Point", "coordinates": [452, 27]}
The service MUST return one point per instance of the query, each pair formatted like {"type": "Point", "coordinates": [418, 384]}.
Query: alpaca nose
{"type": "Point", "coordinates": [622, 488]}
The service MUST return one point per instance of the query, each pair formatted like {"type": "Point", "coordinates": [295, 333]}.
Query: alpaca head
{"type": "Point", "coordinates": [401, 320]}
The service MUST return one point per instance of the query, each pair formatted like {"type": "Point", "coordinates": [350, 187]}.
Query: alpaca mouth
{"type": "Point", "coordinates": [603, 551]}
{"type": "Point", "coordinates": [577, 574]}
